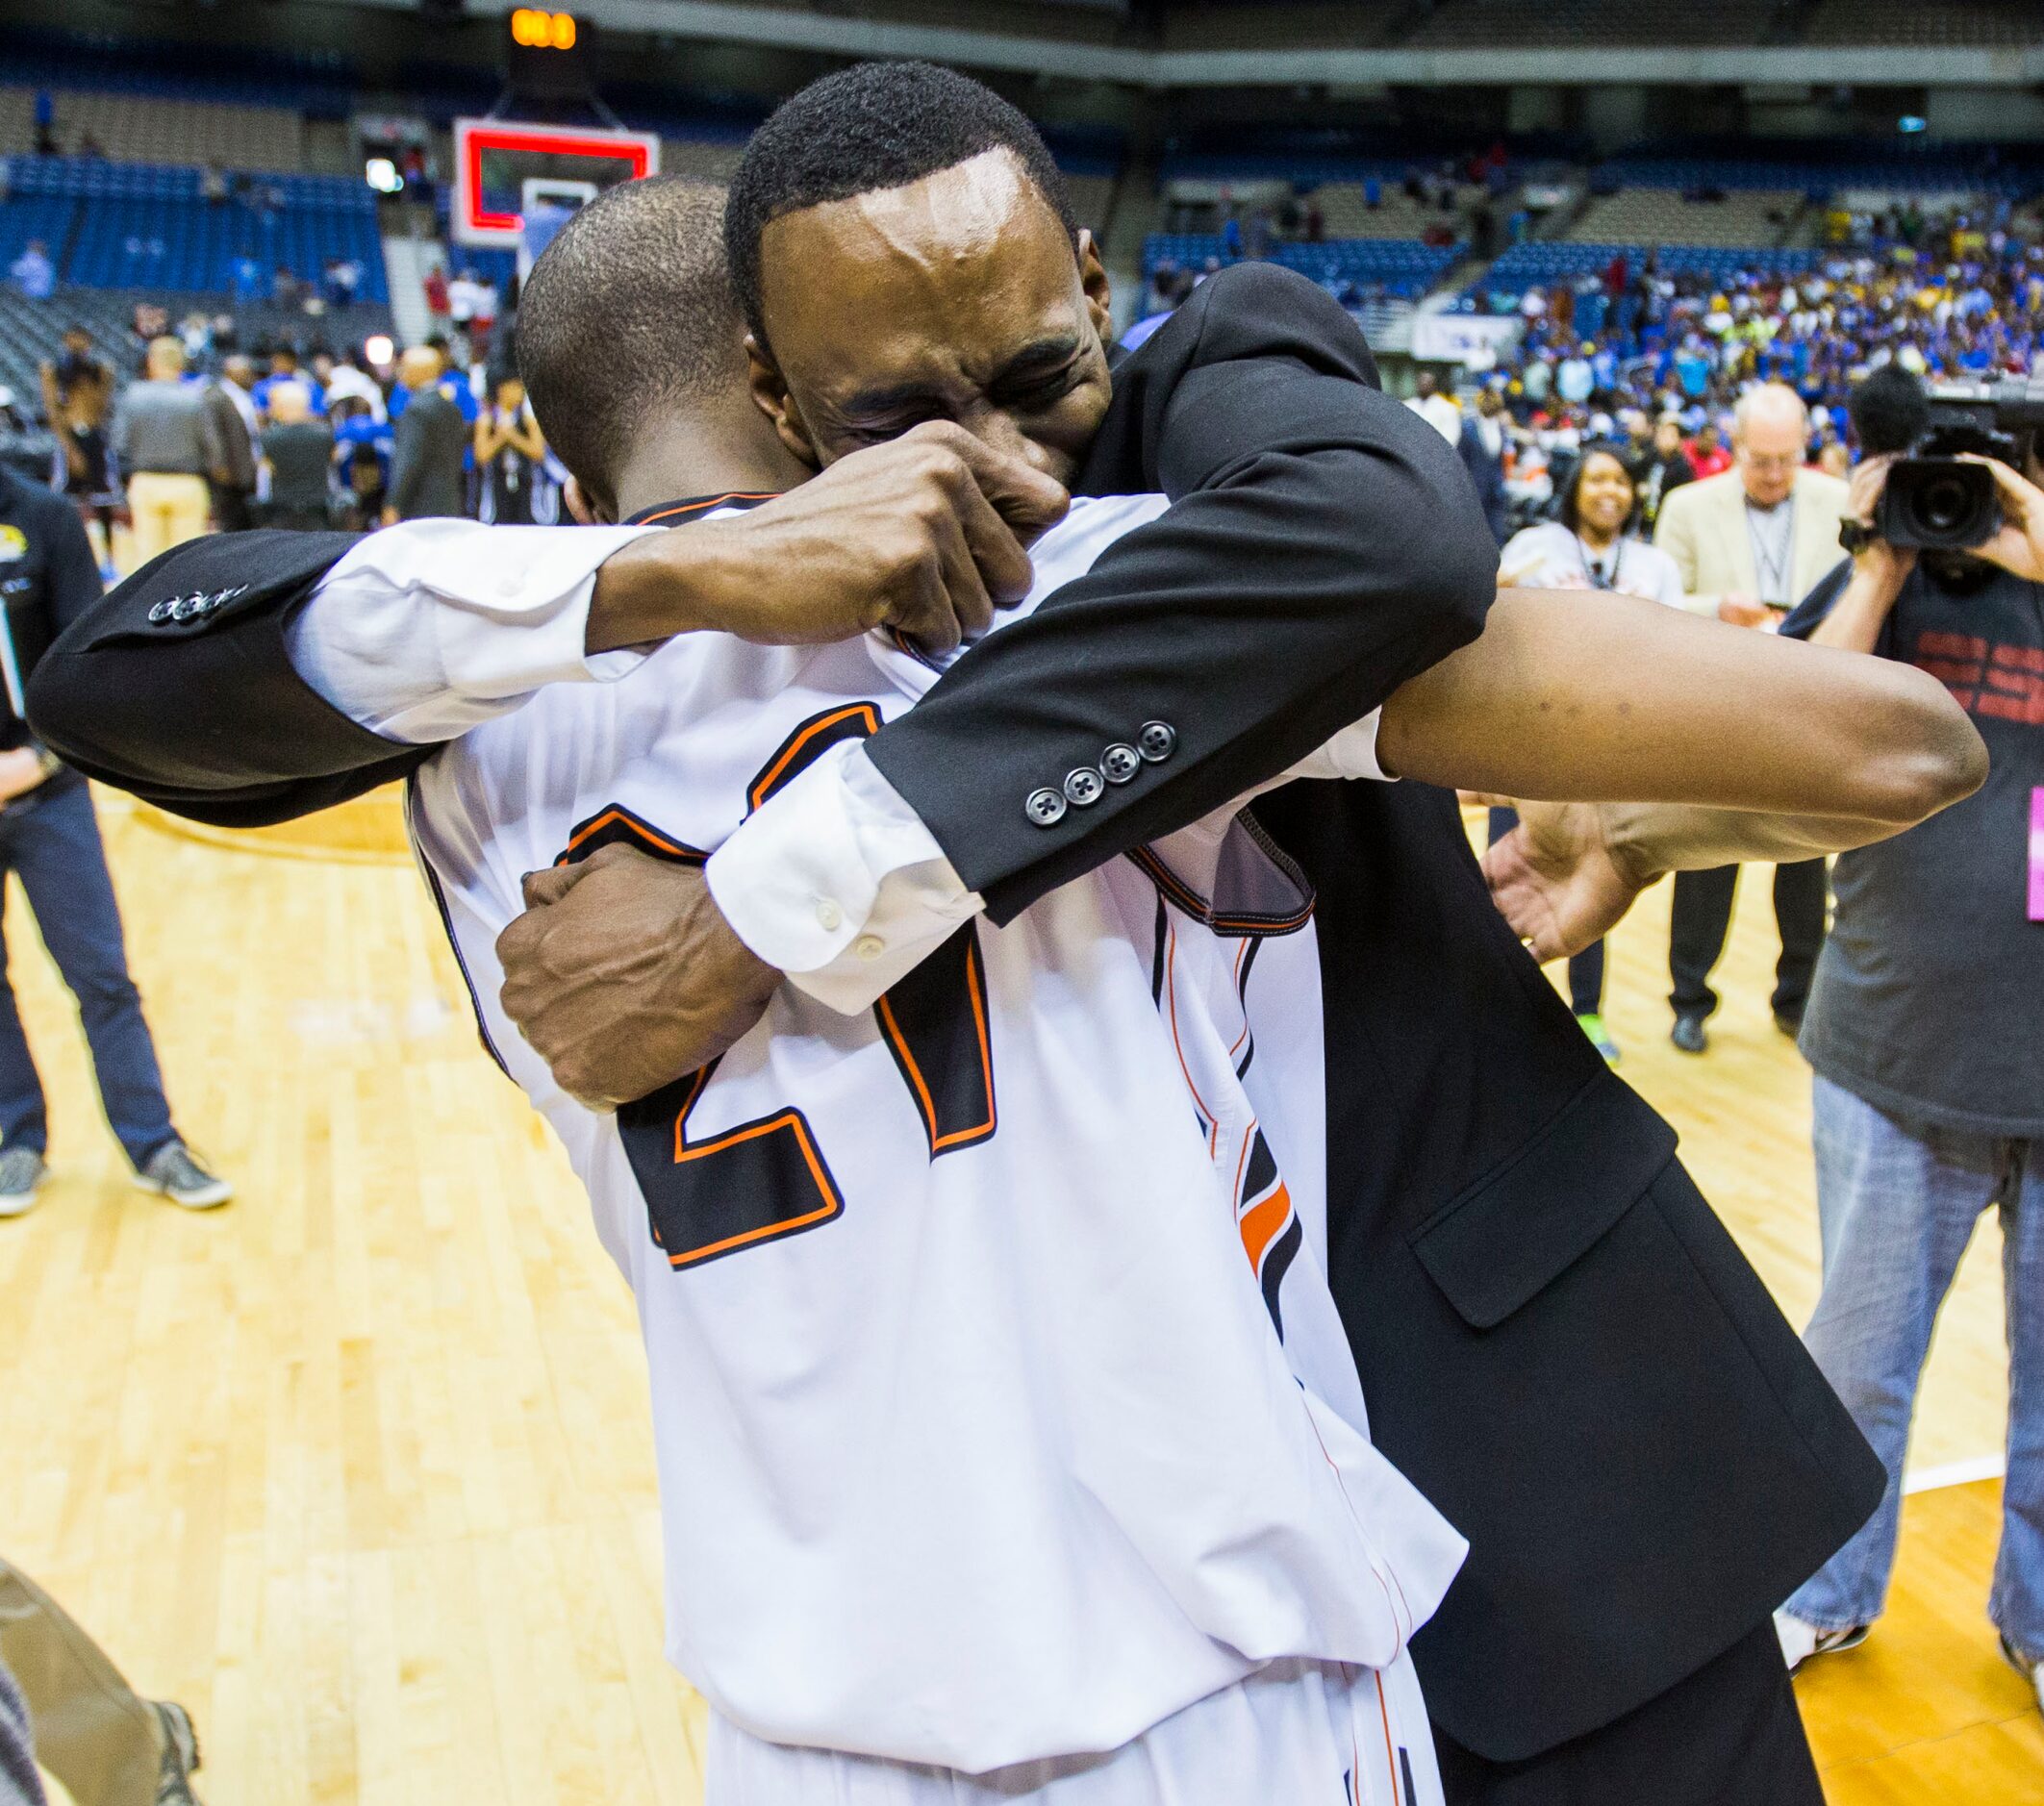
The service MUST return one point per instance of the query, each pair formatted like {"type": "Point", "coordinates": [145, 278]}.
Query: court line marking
{"type": "Point", "coordinates": [1956, 1473]}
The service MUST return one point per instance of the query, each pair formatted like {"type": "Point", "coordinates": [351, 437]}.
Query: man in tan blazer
{"type": "Point", "coordinates": [1751, 543]}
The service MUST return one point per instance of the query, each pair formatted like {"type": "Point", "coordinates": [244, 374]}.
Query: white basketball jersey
{"type": "Point", "coordinates": [978, 1442]}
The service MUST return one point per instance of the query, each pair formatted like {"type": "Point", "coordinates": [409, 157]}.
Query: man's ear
{"type": "Point", "coordinates": [1093, 279]}
{"type": "Point", "coordinates": [588, 509]}
{"type": "Point", "coordinates": [769, 394]}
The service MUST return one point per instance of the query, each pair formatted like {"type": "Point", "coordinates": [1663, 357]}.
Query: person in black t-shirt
{"type": "Point", "coordinates": [1926, 1030]}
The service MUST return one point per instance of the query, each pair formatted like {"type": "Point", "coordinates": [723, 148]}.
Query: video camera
{"type": "Point", "coordinates": [1933, 500]}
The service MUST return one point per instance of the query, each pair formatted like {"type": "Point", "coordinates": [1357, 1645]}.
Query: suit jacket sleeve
{"type": "Point", "coordinates": [1325, 544]}
{"type": "Point", "coordinates": [205, 715]}
{"type": "Point", "coordinates": [1676, 535]}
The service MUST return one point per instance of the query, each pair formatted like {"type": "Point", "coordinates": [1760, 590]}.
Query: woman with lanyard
{"type": "Point", "coordinates": [1586, 546]}
{"type": "Point", "coordinates": [509, 455]}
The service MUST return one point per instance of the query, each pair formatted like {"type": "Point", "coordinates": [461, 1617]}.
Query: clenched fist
{"type": "Point", "coordinates": [925, 534]}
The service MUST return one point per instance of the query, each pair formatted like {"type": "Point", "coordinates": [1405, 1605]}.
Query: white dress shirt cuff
{"type": "Point", "coordinates": [1350, 754]}
{"type": "Point", "coordinates": [836, 881]}
{"type": "Point", "coordinates": [428, 629]}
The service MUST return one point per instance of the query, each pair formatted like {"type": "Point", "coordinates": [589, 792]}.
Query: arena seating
{"type": "Point", "coordinates": [303, 83]}
{"type": "Point", "coordinates": [1820, 167]}
{"type": "Point", "coordinates": [1570, 24]}
{"type": "Point", "coordinates": [1991, 24]}
{"type": "Point", "coordinates": [1745, 217]}
{"type": "Point", "coordinates": [138, 225]}
{"type": "Point", "coordinates": [1401, 267]}
{"type": "Point", "coordinates": [31, 331]}
{"type": "Point", "coordinates": [1305, 169]}
{"type": "Point", "coordinates": [151, 128]}
{"type": "Point", "coordinates": [1534, 265]}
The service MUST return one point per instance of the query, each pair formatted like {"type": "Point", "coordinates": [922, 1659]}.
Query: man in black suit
{"type": "Point", "coordinates": [1560, 1342]}
{"type": "Point", "coordinates": [1483, 446]}
{"type": "Point", "coordinates": [427, 476]}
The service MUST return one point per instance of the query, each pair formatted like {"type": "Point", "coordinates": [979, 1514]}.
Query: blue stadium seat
{"type": "Point", "coordinates": [1532, 265]}
{"type": "Point", "coordinates": [148, 226]}
{"type": "Point", "coordinates": [1401, 266]}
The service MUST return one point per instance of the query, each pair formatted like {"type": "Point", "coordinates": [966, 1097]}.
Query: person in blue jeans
{"type": "Point", "coordinates": [1926, 1032]}
{"type": "Point", "coordinates": [49, 839]}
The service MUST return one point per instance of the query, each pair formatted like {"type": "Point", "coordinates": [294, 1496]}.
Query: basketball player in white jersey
{"type": "Point", "coordinates": [1004, 1419]}
{"type": "Point", "coordinates": [1006, 1428]}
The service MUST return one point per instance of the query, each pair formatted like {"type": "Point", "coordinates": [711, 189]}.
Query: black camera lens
{"type": "Point", "coordinates": [1938, 501]}
{"type": "Point", "coordinates": [1944, 505]}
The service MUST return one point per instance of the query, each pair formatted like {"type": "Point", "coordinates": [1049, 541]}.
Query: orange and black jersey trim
{"type": "Point", "coordinates": [695, 508]}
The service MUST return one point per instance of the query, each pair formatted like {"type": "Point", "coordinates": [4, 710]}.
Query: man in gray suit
{"type": "Point", "coordinates": [426, 474]}
{"type": "Point", "coordinates": [233, 479]}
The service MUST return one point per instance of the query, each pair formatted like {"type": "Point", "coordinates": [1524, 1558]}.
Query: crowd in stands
{"type": "Point", "coordinates": [1633, 351]}
{"type": "Point", "coordinates": [219, 433]}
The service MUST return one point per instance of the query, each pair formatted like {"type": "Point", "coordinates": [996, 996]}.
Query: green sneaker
{"type": "Point", "coordinates": [1600, 1036]}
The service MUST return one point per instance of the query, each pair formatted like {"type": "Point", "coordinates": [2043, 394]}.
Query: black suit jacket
{"type": "Point", "coordinates": [1560, 1343]}
{"type": "Point", "coordinates": [1486, 473]}
{"type": "Point", "coordinates": [428, 472]}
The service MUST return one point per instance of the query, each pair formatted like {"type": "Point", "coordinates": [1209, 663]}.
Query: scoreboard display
{"type": "Point", "coordinates": [549, 56]}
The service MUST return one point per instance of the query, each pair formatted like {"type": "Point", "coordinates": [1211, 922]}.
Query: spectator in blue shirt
{"type": "Point", "coordinates": [32, 272]}
{"type": "Point", "coordinates": [284, 369]}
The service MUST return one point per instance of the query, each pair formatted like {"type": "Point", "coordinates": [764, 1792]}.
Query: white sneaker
{"type": "Point", "coordinates": [1799, 1641]}
{"type": "Point", "coordinates": [2030, 1671]}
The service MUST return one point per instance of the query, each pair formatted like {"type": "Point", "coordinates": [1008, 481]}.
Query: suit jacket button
{"type": "Point", "coordinates": [1046, 808]}
{"type": "Point", "coordinates": [1121, 761]}
{"type": "Point", "coordinates": [1085, 786]}
{"type": "Point", "coordinates": [1157, 740]}
{"type": "Point", "coordinates": [161, 611]}
{"type": "Point", "coordinates": [187, 606]}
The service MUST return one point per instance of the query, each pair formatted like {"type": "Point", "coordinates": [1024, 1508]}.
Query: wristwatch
{"type": "Point", "coordinates": [1855, 536]}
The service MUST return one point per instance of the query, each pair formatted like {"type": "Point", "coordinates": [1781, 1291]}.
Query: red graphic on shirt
{"type": "Point", "coordinates": [2003, 681]}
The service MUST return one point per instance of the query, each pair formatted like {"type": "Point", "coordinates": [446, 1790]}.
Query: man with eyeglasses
{"type": "Point", "coordinates": [1748, 544]}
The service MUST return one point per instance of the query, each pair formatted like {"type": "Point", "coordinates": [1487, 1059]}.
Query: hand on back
{"type": "Point", "coordinates": [624, 975]}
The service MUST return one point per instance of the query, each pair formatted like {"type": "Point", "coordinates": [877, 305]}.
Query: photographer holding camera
{"type": "Point", "coordinates": [1925, 1018]}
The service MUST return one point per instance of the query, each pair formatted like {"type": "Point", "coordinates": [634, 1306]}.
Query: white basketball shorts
{"type": "Point", "coordinates": [1300, 1733]}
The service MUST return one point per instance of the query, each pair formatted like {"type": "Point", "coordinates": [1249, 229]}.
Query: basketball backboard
{"type": "Point", "coordinates": [495, 159]}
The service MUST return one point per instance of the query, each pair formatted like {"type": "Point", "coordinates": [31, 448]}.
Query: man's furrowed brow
{"type": "Point", "coordinates": [1044, 355]}
{"type": "Point", "coordinates": [884, 398]}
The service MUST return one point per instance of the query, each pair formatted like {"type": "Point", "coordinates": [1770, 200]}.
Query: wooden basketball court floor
{"type": "Point", "coordinates": [358, 1467]}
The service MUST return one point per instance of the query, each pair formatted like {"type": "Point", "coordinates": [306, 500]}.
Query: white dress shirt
{"type": "Point", "coordinates": [433, 627]}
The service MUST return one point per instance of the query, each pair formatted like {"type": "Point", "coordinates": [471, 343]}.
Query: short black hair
{"type": "Point", "coordinates": [627, 313]}
{"type": "Point", "coordinates": [872, 127]}
{"type": "Point", "coordinates": [1889, 409]}
{"type": "Point", "coordinates": [1570, 510]}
